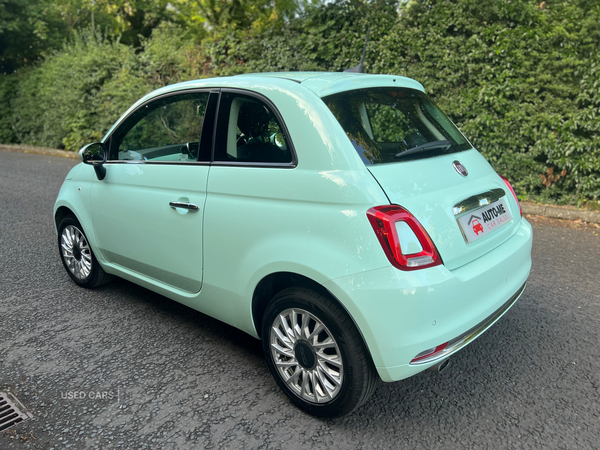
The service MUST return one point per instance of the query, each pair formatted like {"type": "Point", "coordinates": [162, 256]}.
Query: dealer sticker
{"type": "Point", "coordinates": [484, 220]}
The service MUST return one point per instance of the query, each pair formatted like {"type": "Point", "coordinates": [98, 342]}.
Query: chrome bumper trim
{"type": "Point", "coordinates": [477, 201]}
{"type": "Point", "coordinates": [465, 338]}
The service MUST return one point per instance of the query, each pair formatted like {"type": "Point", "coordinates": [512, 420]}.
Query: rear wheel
{"type": "Point", "coordinates": [316, 353]}
{"type": "Point", "coordinates": [77, 255]}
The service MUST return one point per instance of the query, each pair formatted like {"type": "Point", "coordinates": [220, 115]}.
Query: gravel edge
{"type": "Point", "coordinates": [559, 212]}
{"type": "Point", "coordinates": [38, 150]}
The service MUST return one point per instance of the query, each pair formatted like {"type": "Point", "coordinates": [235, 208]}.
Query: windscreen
{"type": "Point", "coordinates": [394, 124]}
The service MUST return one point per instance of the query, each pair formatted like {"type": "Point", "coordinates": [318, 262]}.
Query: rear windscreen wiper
{"type": "Point", "coordinates": [421, 148]}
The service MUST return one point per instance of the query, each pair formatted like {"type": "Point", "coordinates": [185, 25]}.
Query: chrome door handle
{"type": "Point", "coordinates": [190, 206]}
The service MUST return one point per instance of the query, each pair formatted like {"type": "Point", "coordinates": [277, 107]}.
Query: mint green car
{"type": "Point", "coordinates": [342, 218]}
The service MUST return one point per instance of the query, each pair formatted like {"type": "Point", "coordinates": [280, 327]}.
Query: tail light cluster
{"type": "Point", "coordinates": [512, 191]}
{"type": "Point", "coordinates": [395, 227]}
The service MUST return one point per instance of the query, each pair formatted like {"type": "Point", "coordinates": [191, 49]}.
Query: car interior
{"type": "Point", "coordinates": [254, 134]}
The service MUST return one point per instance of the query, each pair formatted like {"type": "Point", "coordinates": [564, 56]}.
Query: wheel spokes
{"type": "Point", "coordinates": [319, 383]}
{"type": "Point", "coordinates": [286, 327]}
{"type": "Point", "coordinates": [285, 340]}
{"type": "Point", "coordinates": [76, 252]}
{"type": "Point", "coordinates": [329, 359]}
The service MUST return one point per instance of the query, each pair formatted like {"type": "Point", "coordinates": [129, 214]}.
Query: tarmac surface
{"type": "Point", "coordinates": [121, 367]}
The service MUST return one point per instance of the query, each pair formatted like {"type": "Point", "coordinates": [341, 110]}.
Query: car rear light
{"type": "Point", "coordinates": [512, 191]}
{"type": "Point", "coordinates": [387, 221]}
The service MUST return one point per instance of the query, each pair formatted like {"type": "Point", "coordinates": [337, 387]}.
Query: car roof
{"type": "Point", "coordinates": [328, 83]}
{"type": "Point", "coordinates": [321, 83]}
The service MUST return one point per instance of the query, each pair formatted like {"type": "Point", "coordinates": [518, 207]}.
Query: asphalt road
{"type": "Point", "coordinates": [174, 378]}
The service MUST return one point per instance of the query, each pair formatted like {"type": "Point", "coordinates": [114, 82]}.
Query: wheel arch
{"type": "Point", "coordinates": [62, 212]}
{"type": "Point", "coordinates": [275, 282]}
{"type": "Point", "coordinates": [64, 209]}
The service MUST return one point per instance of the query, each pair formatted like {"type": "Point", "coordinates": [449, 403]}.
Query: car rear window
{"type": "Point", "coordinates": [394, 124]}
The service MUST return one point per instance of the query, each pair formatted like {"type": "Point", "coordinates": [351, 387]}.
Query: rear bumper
{"type": "Point", "coordinates": [401, 314]}
{"type": "Point", "coordinates": [464, 339]}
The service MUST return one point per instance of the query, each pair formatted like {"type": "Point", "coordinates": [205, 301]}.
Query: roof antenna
{"type": "Point", "coordinates": [361, 68]}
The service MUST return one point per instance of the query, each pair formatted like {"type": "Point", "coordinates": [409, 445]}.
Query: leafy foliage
{"type": "Point", "coordinates": [520, 78]}
{"type": "Point", "coordinates": [511, 74]}
{"type": "Point", "coordinates": [78, 92]}
{"type": "Point", "coordinates": [27, 28]}
{"type": "Point", "coordinates": [60, 103]}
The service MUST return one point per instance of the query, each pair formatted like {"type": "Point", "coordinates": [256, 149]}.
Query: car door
{"type": "Point", "coordinates": [147, 213]}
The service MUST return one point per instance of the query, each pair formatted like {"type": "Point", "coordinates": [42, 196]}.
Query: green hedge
{"type": "Point", "coordinates": [70, 98]}
{"type": "Point", "coordinates": [520, 78]}
{"type": "Point", "coordinates": [78, 92]}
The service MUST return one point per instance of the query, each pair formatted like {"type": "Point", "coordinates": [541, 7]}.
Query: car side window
{"type": "Point", "coordinates": [249, 131]}
{"type": "Point", "coordinates": [167, 130]}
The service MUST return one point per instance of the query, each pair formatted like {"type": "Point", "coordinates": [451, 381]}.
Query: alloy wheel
{"type": "Point", "coordinates": [76, 252]}
{"type": "Point", "coordinates": [306, 356]}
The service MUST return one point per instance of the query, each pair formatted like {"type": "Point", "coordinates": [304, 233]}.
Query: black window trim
{"type": "Point", "coordinates": [214, 91]}
{"type": "Point", "coordinates": [210, 91]}
{"type": "Point", "coordinates": [291, 165]}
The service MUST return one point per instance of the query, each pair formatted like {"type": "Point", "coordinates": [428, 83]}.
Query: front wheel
{"type": "Point", "coordinates": [316, 353]}
{"type": "Point", "coordinates": [77, 255]}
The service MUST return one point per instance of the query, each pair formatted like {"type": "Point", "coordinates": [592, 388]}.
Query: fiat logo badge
{"type": "Point", "coordinates": [462, 170]}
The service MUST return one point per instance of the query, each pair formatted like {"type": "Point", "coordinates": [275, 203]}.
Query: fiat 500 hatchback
{"type": "Point", "coordinates": [342, 218]}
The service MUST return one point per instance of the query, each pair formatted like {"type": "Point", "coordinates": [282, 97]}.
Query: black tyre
{"type": "Point", "coordinates": [77, 255]}
{"type": "Point", "coordinates": [316, 353]}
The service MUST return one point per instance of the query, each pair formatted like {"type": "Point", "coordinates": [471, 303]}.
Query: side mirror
{"type": "Point", "coordinates": [95, 155]}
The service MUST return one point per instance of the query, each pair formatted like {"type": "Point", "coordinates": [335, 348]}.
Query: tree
{"type": "Point", "coordinates": [27, 28]}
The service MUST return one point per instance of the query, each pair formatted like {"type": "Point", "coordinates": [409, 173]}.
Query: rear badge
{"type": "Point", "coordinates": [462, 170]}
